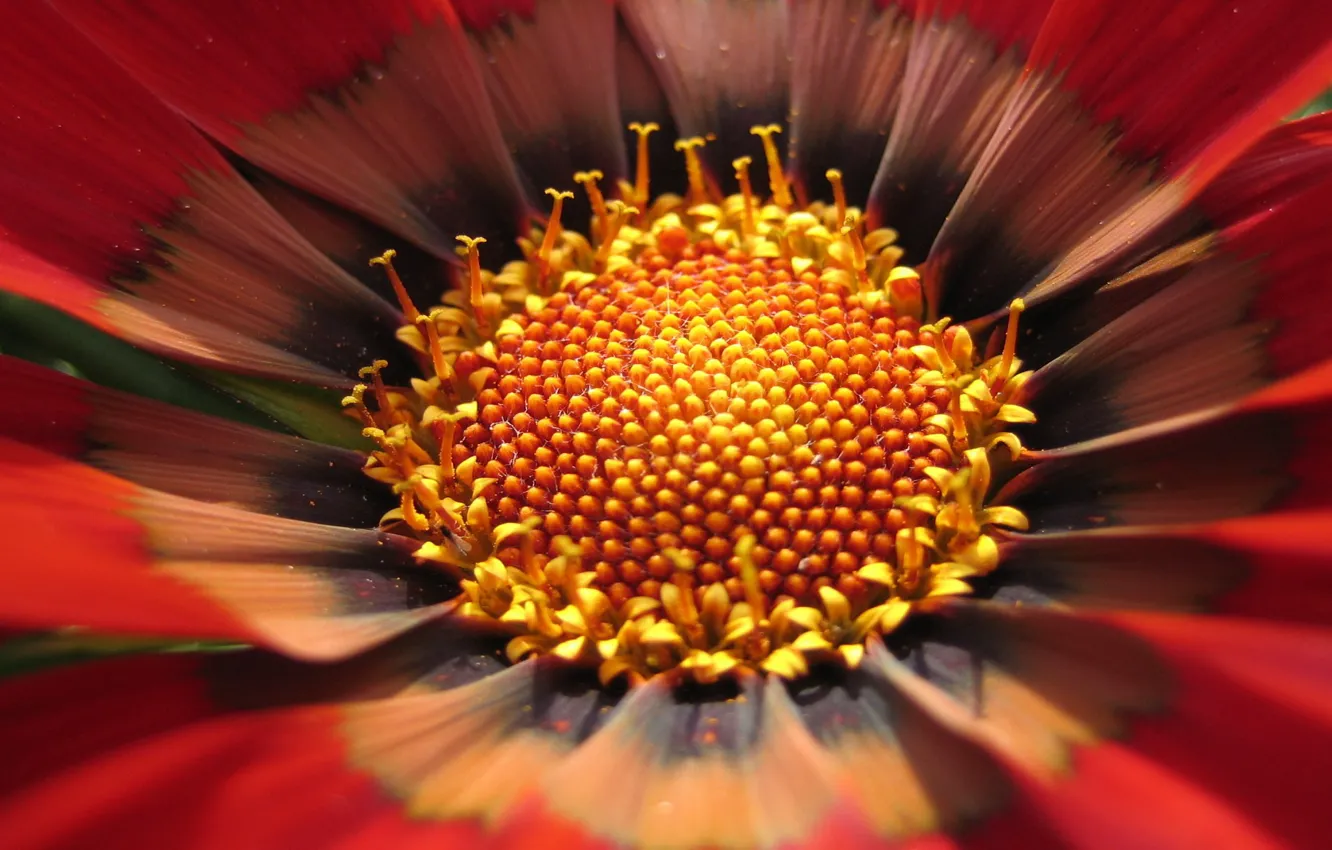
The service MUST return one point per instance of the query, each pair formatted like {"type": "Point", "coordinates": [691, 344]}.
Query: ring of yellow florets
{"type": "Point", "coordinates": [520, 460]}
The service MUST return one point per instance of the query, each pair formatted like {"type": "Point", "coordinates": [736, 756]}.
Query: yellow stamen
{"type": "Point", "coordinates": [431, 501]}
{"type": "Point", "coordinates": [527, 556]}
{"type": "Point", "coordinates": [955, 411]}
{"type": "Point", "coordinates": [395, 449]}
{"type": "Point", "coordinates": [618, 213]}
{"type": "Point", "coordinates": [1010, 344]}
{"type": "Point", "coordinates": [404, 300]}
{"type": "Point", "coordinates": [781, 193]}
{"type": "Point", "coordinates": [683, 578]}
{"type": "Point", "coordinates": [475, 291]}
{"type": "Point", "coordinates": [588, 180]}
{"type": "Point", "coordinates": [442, 370]}
{"type": "Point", "coordinates": [758, 602]}
{"type": "Point", "coordinates": [381, 392]}
{"type": "Point", "coordinates": [357, 401]}
{"type": "Point", "coordinates": [641, 177]}
{"type": "Point", "coordinates": [839, 192]}
{"type": "Point", "coordinates": [411, 515]}
{"type": "Point", "coordinates": [552, 233]}
{"type": "Point", "coordinates": [741, 166]}
{"type": "Point", "coordinates": [448, 433]}
{"type": "Point", "coordinates": [698, 190]}
{"type": "Point", "coordinates": [904, 291]}
{"type": "Point", "coordinates": [851, 230]}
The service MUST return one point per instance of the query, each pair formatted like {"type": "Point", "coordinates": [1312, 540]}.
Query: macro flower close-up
{"type": "Point", "coordinates": [665, 424]}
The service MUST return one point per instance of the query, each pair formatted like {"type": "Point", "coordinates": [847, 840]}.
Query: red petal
{"type": "Point", "coordinates": [137, 196]}
{"type": "Point", "coordinates": [96, 551]}
{"type": "Point", "coordinates": [1235, 711]}
{"type": "Point", "coordinates": [848, 61]}
{"type": "Point", "coordinates": [1301, 405]}
{"type": "Point", "coordinates": [484, 14]}
{"type": "Point", "coordinates": [101, 576]}
{"type": "Point", "coordinates": [188, 454]}
{"type": "Point", "coordinates": [1167, 472]}
{"type": "Point", "coordinates": [1290, 557]}
{"type": "Point", "coordinates": [53, 412]}
{"type": "Point", "coordinates": [550, 71]}
{"type": "Point", "coordinates": [1251, 718]}
{"type": "Point", "coordinates": [1277, 169]}
{"type": "Point", "coordinates": [1230, 309]}
{"type": "Point", "coordinates": [1189, 83]}
{"type": "Point", "coordinates": [24, 274]}
{"type": "Point", "coordinates": [406, 137]}
{"type": "Point", "coordinates": [55, 720]}
{"type": "Point", "coordinates": [1293, 253]}
{"type": "Point", "coordinates": [79, 183]}
{"type": "Point", "coordinates": [1199, 323]}
{"type": "Point", "coordinates": [1072, 194]}
{"type": "Point", "coordinates": [161, 330]}
{"type": "Point", "coordinates": [1276, 565]}
{"type": "Point", "coordinates": [263, 780]}
{"type": "Point", "coordinates": [317, 776]}
{"type": "Point", "coordinates": [1120, 799]}
{"type": "Point", "coordinates": [715, 91]}
{"type": "Point", "coordinates": [964, 59]}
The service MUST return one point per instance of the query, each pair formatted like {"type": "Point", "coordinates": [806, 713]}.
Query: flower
{"type": "Point", "coordinates": [954, 474]}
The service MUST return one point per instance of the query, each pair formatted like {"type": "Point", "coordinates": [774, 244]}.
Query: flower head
{"type": "Point", "coordinates": [893, 422]}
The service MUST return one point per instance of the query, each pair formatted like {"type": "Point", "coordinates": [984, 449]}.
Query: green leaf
{"type": "Point", "coordinates": [1320, 104]}
{"type": "Point", "coordinates": [43, 650]}
{"type": "Point", "coordinates": [44, 335]}
{"type": "Point", "coordinates": [313, 412]}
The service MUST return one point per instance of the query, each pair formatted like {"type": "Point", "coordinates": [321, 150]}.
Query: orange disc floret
{"type": "Point", "coordinates": [687, 404]}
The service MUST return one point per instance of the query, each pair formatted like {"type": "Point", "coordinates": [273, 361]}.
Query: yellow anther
{"type": "Point", "coordinates": [642, 177]}
{"type": "Point", "coordinates": [839, 192]}
{"type": "Point", "coordinates": [357, 397]}
{"type": "Point", "coordinates": [698, 190]}
{"type": "Point", "coordinates": [442, 370]}
{"type": "Point", "coordinates": [357, 400]}
{"type": "Point", "coordinates": [381, 392]}
{"type": "Point", "coordinates": [744, 551]}
{"type": "Point", "coordinates": [476, 293]}
{"type": "Point", "coordinates": [377, 434]}
{"type": "Point", "coordinates": [588, 180]}
{"type": "Point", "coordinates": [373, 369]}
{"type": "Point", "coordinates": [618, 213]}
{"type": "Point", "coordinates": [741, 166]}
{"type": "Point", "coordinates": [1010, 343]}
{"type": "Point", "coordinates": [404, 300]}
{"type": "Point", "coordinates": [781, 193]}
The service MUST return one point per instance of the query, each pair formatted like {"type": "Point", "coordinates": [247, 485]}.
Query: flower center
{"type": "Point", "coordinates": [712, 436]}
{"type": "Point", "coordinates": [682, 406]}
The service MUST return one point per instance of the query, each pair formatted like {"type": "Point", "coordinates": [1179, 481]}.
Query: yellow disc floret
{"type": "Point", "coordinates": [711, 436]}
